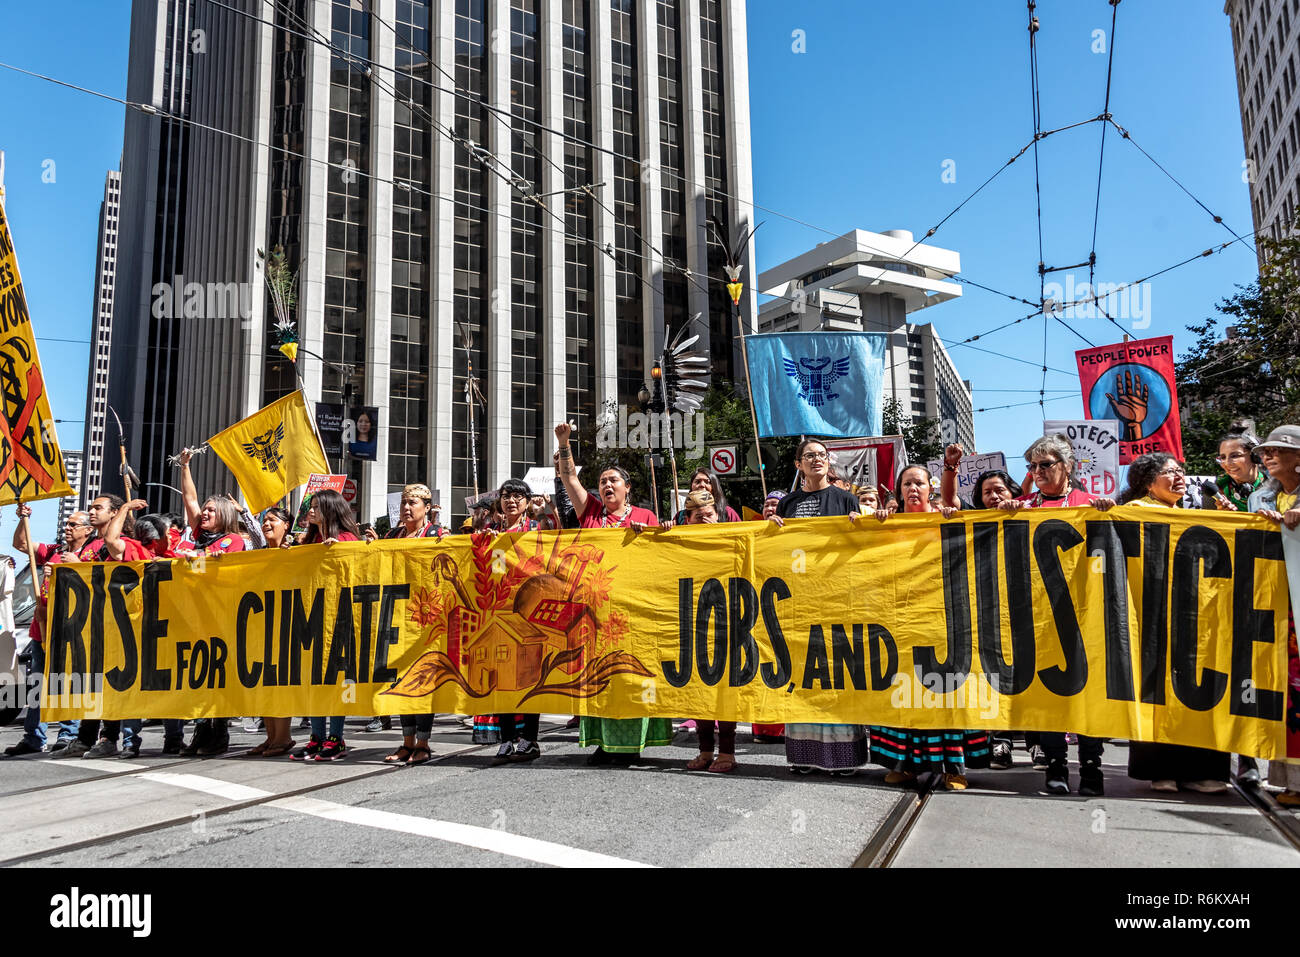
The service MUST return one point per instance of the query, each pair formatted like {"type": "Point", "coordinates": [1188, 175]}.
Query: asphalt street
{"type": "Point", "coordinates": [459, 810]}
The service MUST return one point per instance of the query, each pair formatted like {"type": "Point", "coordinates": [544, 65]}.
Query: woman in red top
{"type": "Point", "coordinates": [214, 525]}
{"type": "Point", "coordinates": [329, 521]}
{"type": "Point", "coordinates": [1051, 465]}
{"type": "Point", "coordinates": [618, 741]}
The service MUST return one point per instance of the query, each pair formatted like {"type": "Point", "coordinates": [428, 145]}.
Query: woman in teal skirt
{"type": "Point", "coordinates": [617, 740]}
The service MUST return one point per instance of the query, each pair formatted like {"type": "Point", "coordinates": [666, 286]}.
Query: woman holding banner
{"type": "Point", "coordinates": [1158, 480]}
{"type": "Point", "coordinates": [329, 521]}
{"type": "Point", "coordinates": [908, 753]}
{"type": "Point", "coordinates": [1279, 499]}
{"type": "Point", "coordinates": [838, 748]}
{"type": "Point", "coordinates": [617, 740]}
{"type": "Point", "coordinates": [1051, 463]}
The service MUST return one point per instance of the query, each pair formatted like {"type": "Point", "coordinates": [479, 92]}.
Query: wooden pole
{"type": "Point", "coordinates": [749, 389]}
{"type": "Point", "coordinates": [26, 526]}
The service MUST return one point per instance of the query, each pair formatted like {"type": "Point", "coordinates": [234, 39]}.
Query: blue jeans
{"type": "Point", "coordinates": [33, 726]}
{"type": "Point", "coordinates": [318, 727]}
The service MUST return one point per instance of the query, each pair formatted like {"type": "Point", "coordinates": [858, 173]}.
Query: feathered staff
{"type": "Point", "coordinates": [735, 287]}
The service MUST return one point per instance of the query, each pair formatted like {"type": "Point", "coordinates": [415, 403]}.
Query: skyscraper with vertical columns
{"type": "Point", "coordinates": [531, 179]}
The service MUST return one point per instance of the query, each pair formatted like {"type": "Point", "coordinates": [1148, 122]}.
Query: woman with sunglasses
{"type": "Point", "coordinates": [1242, 471]}
{"type": "Point", "coordinates": [517, 732]}
{"type": "Point", "coordinates": [1051, 464]}
{"type": "Point", "coordinates": [1158, 480]}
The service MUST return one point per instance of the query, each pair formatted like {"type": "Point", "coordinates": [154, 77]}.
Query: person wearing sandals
{"type": "Point", "coordinates": [329, 521]}
{"type": "Point", "coordinates": [907, 753]}
{"type": "Point", "coordinates": [701, 509]}
{"type": "Point", "coordinates": [837, 748]}
{"type": "Point", "coordinates": [1158, 480]}
{"type": "Point", "coordinates": [618, 741]}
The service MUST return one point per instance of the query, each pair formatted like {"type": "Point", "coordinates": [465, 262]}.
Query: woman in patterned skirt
{"type": "Point", "coordinates": [907, 753]}
{"type": "Point", "coordinates": [618, 740]}
{"type": "Point", "coordinates": [838, 748]}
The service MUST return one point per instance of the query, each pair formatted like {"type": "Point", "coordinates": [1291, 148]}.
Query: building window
{"type": "Point", "coordinates": [579, 296]}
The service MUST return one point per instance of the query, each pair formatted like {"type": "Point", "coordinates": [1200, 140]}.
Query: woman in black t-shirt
{"type": "Point", "coordinates": [838, 748]}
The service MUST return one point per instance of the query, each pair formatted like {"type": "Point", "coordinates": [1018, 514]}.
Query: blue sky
{"type": "Point", "coordinates": [853, 132]}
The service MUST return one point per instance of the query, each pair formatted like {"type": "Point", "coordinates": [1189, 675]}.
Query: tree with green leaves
{"type": "Point", "coordinates": [1245, 363]}
{"type": "Point", "coordinates": [921, 436]}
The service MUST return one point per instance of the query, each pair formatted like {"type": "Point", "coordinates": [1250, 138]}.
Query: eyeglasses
{"type": "Point", "coordinates": [1173, 473]}
{"type": "Point", "coordinates": [815, 456]}
{"type": "Point", "coordinates": [513, 495]}
{"type": "Point", "coordinates": [1043, 466]}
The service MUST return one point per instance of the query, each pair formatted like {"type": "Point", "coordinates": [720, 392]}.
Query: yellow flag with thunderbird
{"type": "Point", "coordinates": [272, 451]}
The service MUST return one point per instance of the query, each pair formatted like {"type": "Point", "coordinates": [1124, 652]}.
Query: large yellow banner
{"type": "Point", "coordinates": [31, 465]}
{"type": "Point", "coordinates": [1142, 624]}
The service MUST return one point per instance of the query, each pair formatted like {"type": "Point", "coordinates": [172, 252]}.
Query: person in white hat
{"type": "Point", "coordinates": [1279, 500]}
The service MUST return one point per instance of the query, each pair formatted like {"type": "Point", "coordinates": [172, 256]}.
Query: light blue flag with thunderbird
{"type": "Point", "coordinates": [817, 383]}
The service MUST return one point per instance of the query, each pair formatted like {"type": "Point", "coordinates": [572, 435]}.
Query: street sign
{"type": "Point", "coordinates": [722, 460]}
{"type": "Point", "coordinates": [350, 491]}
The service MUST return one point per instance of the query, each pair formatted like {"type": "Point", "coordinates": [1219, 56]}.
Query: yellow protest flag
{"type": "Point", "coordinates": [272, 451]}
{"type": "Point", "coordinates": [31, 465]}
{"type": "Point", "coordinates": [749, 515]}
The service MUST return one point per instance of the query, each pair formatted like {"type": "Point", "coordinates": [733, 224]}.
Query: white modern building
{"type": "Point", "coordinates": [538, 174]}
{"type": "Point", "coordinates": [101, 339]}
{"type": "Point", "coordinates": [871, 282]}
{"type": "Point", "coordinates": [1266, 44]}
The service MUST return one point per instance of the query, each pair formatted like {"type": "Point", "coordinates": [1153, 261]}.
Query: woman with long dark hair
{"type": "Point", "coordinates": [618, 741]}
{"type": "Point", "coordinates": [329, 521]}
{"type": "Point", "coordinates": [839, 749]}
{"type": "Point", "coordinates": [1158, 480]}
{"type": "Point", "coordinates": [905, 752]}
{"type": "Point", "coordinates": [704, 480]}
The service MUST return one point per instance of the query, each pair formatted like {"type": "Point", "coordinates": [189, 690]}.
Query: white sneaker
{"type": "Point", "coordinates": [1168, 787]}
{"type": "Point", "coordinates": [1206, 787]}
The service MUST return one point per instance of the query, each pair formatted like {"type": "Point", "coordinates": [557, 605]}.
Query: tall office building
{"type": "Point", "coordinates": [74, 462]}
{"type": "Point", "coordinates": [1266, 44]}
{"type": "Point", "coordinates": [101, 333]}
{"type": "Point", "coordinates": [524, 184]}
{"type": "Point", "coordinates": [872, 282]}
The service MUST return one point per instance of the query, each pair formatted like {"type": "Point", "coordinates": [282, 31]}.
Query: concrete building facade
{"type": "Point", "coordinates": [101, 340]}
{"type": "Point", "coordinates": [531, 177]}
{"type": "Point", "coordinates": [871, 282]}
{"type": "Point", "coordinates": [1266, 47]}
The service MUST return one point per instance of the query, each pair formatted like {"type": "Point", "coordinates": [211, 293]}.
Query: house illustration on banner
{"type": "Point", "coordinates": [508, 653]}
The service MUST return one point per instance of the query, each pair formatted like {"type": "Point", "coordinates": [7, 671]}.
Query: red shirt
{"type": "Point", "coordinates": [45, 555]}
{"type": "Point", "coordinates": [593, 516]}
{"type": "Point", "coordinates": [1077, 496]}
{"type": "Point", "coordinates": [97, 551]}
{"type": "Point", "coordinates": [233, 542]}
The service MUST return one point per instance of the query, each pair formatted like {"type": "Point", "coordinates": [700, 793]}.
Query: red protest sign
{"type": "Point", "coordinates": [1134, 383]}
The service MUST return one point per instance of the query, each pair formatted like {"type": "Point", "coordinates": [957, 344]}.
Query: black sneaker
{"type": "Point", "coordinates": [1038, 757]}
{"type": "Point", "coordinates": [1247, 772]}
{"type": "Point", "coordinates": [525, 751]}
{"type": "Point", "coordinates": [129, 753]}
{"type": "Point", "coordinates": [308, 751]}
{"type": "Point", "coordinates": [1001, 759]}
{"type": "Point", "coordinates": [21, 748]}
{"type": "Point", "coordinates": [503, 754]}
{"type": "Point", "coordinates": [1091, 782]}
{"type": "Point", "coordinates": [599, 758]}
{"type": "Point", "coordinates": [173, 747]}
{"type": "Point", "coordinates": [201, 738]}
{"type": "Point", "coordinates": [332, 750]}
{"type": "Point", "coordinates": [1058, 778]}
